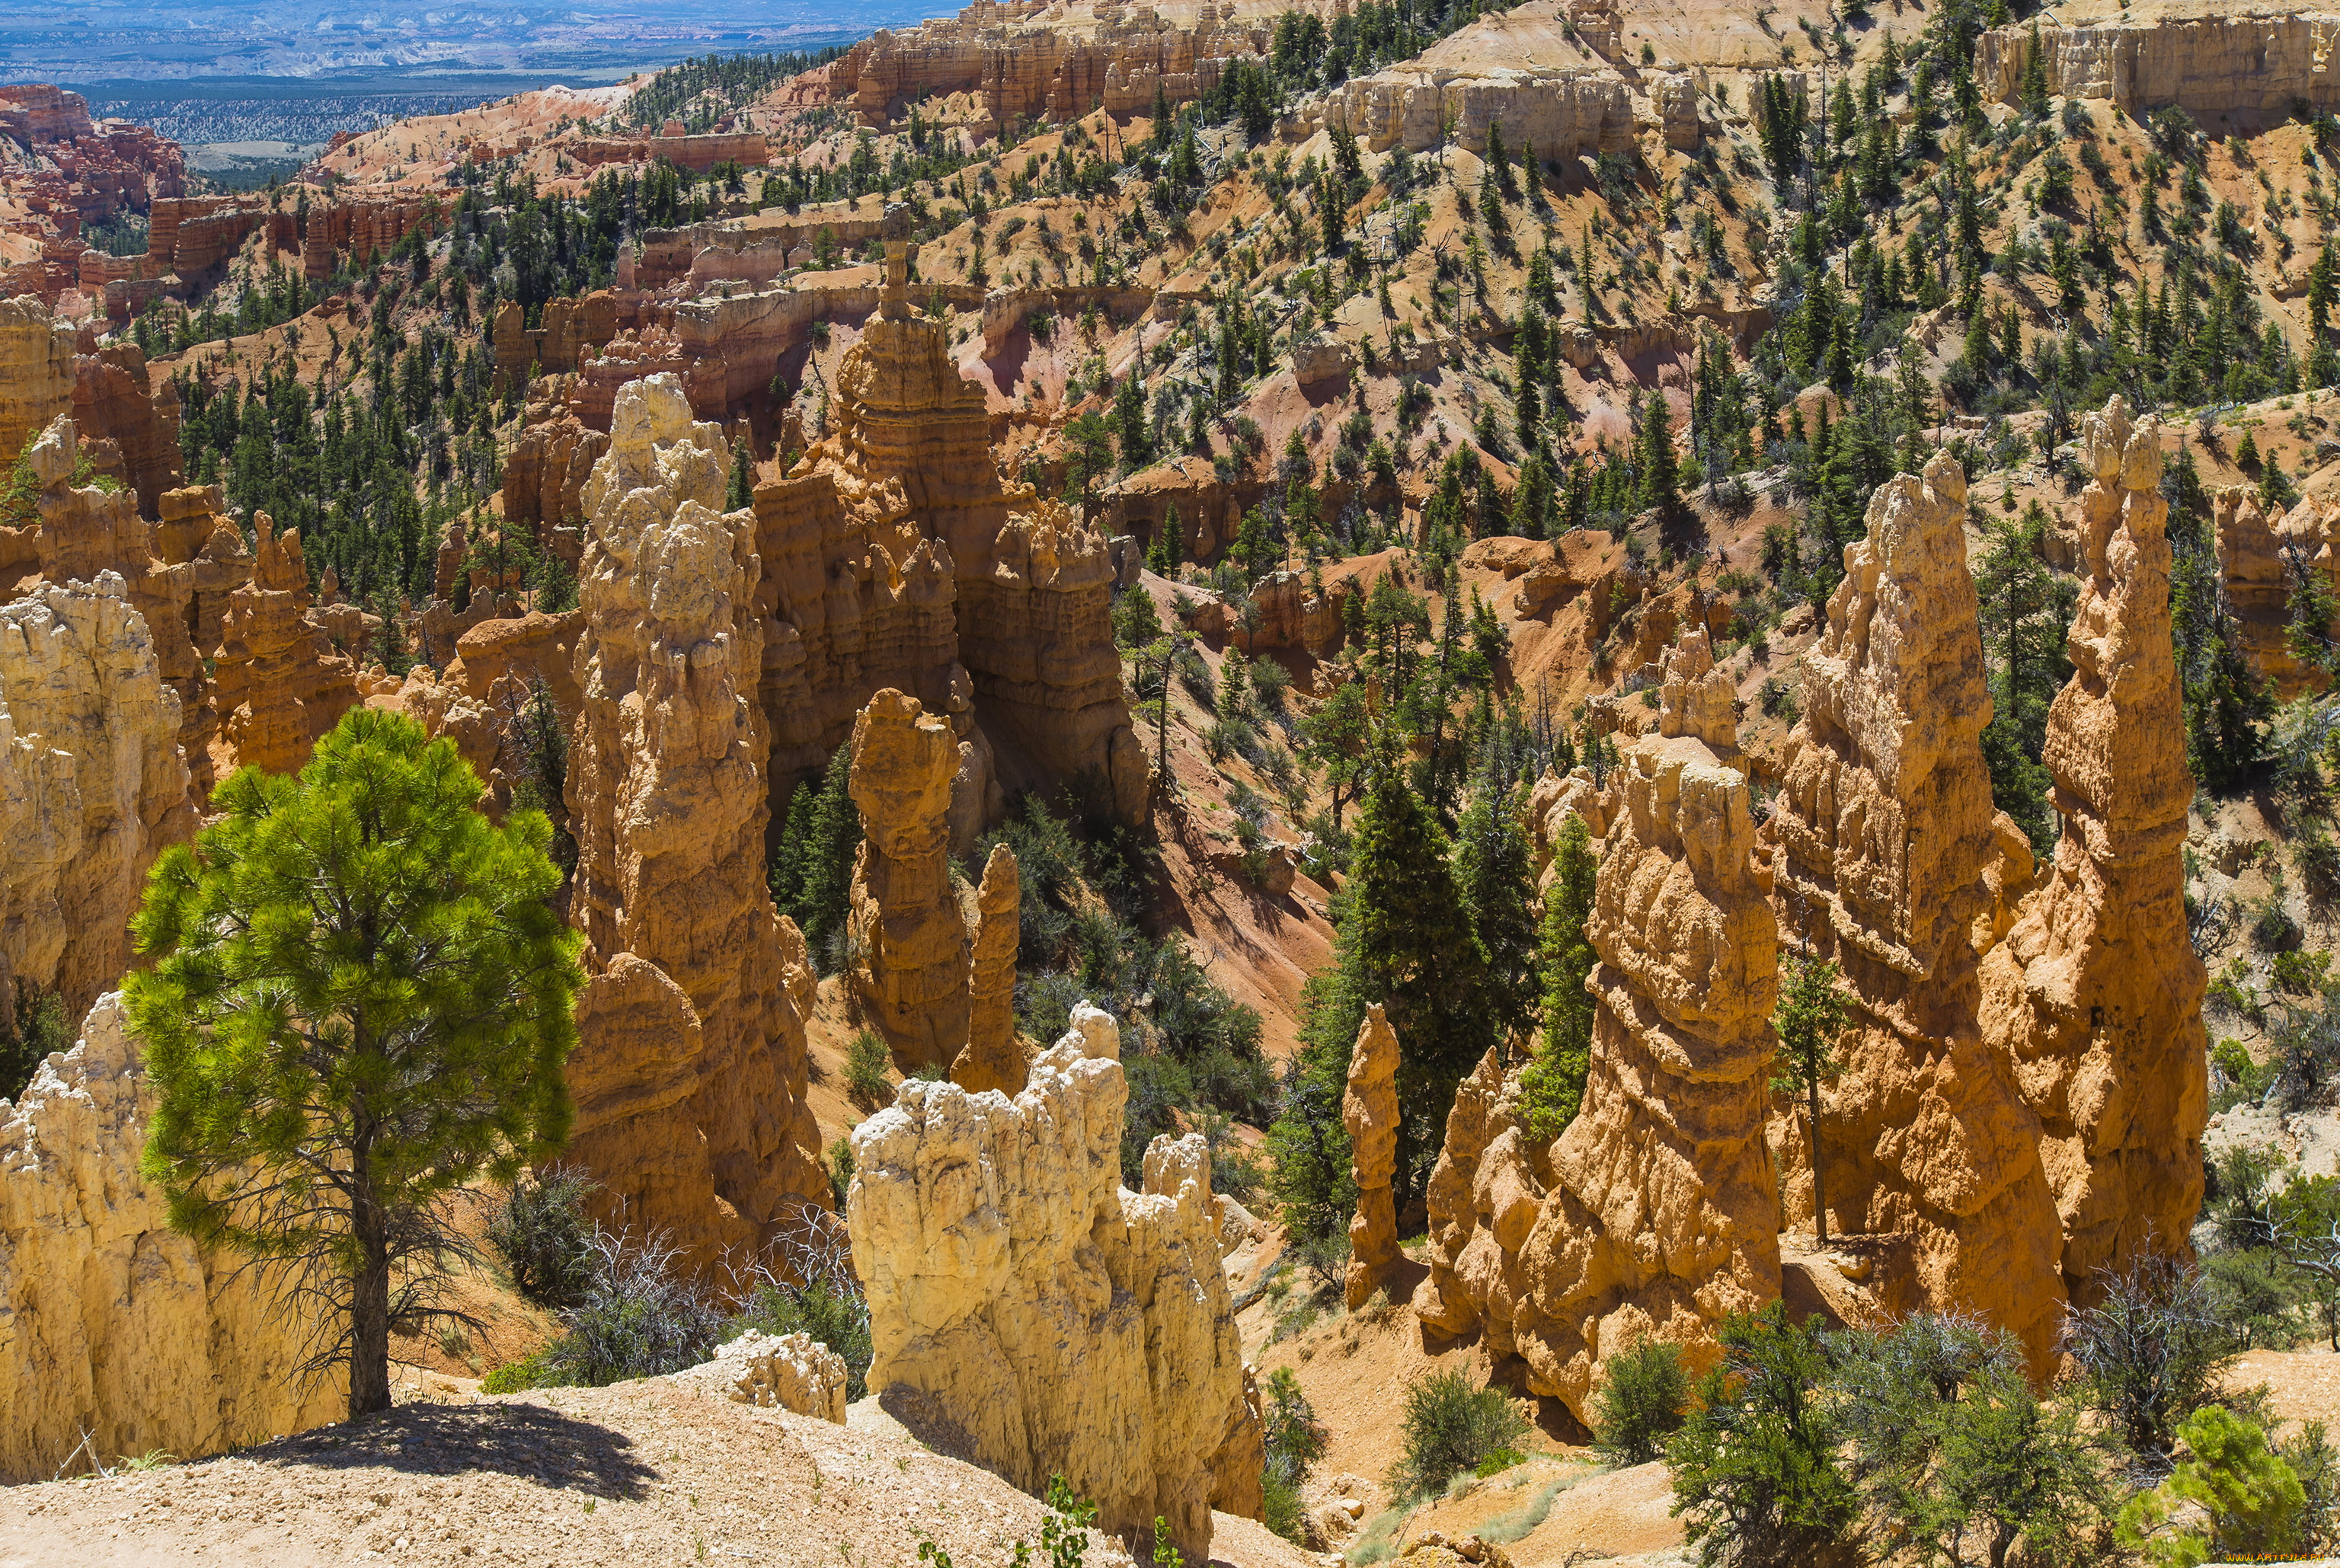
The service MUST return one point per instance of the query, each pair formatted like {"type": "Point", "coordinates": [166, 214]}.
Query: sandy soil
{"type": "Point", "coordinates": [648, 1471]}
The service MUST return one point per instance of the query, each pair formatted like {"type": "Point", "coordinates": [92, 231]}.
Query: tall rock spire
{"type": "Point", "coordinates": [1884, 840]}
{"type": "Point", "coordinates": [2095, 995]}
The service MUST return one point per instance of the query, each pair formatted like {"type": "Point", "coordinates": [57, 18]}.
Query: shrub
{"type": "Point", "coordinates": [638, 1316]}
{"type": "Point", "coordinates": [865, 1061]}
{"type": "Point", "coordinates": [1449, 1429]}
{"type": "Point", "coordinates": [2152, 1350]}
{"type": "Point", "coordinates": [810, 1288]}
{"type": "Point", "coordinates": [1949, 1444]}
{"type": "Point", "coordinates": [1294, 1441]}
{"type": "Point", "coordinates": [1755, 1465]}
{"type": "Point", "coordinates": [41, 1028]}
{"type": "Point", "coordinates": [2252, 1496]}
{"type": "Point", "coordinates": [543, 1237]}
{"type": "Point", "coordinates": [1640, 1404]}
{"type": "Point", "coordinates": [840, 1166]}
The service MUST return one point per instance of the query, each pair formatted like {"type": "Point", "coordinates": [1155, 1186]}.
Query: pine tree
{"type": "Point", "coordinates": [1496, 870]}
{"type": "Point", "coordinates": [1653, 459]}
{"type": "Point", "coordinates": [1809, 1019]}
{"type": "Point", "coordinates": [812, 872]}
{"type": "Point", "coordinates": [1409, 945]}
{"type": "Point", "coordinates": [360, 1002]}
{"type": "Point", "coordinates": [1169, 535]}
{"type": "Point", "coordinates": [2034, 89]}
{"type": "Point", "coordinates": [742, 490]}
{"type": "Point", "coordinates": [1554, 1084]}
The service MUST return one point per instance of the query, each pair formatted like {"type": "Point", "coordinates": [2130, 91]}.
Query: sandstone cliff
{"type": "Point", "coordinates": [92, 786]}
{"type": "Point", "coordinates": [111, 1323]}
{"type": "Point", "coordinates": [1069, 1327]}
{"type": "Point", "coordinates": [900, 559]}
{"type": "Point", "coordinates": [85, 530]}
{"type": "Point", "coordinates": [280, 685]}
{"type": "Point", "coordinates": [1881, 840]}
{"type": "Point", "coordinates": [37, 375]}
{"type": "Point", "coordinates": [2095, 995]}
{"type": "Point", "coordinates": [910, 947]}
{"type": "Point", "coordinates": [2210, 66]}
{"type": "Point", "coordinates": [667, 800]}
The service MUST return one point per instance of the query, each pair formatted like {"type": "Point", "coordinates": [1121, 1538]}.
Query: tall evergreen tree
{"type": "Point", "coordinates": [1554, 1084]}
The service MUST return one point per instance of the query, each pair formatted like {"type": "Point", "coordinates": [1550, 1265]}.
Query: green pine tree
{"type": "Point", "coordinates": [1552, 1087]}
{"type": "Point", "coordinates": [360, 1002]}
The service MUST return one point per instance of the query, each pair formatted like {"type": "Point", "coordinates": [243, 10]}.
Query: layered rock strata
{"type": "Point", "coordinates": [115, 1330]}
{"type": "Point", "coordinates": [2210, 66]}
{"type": "Point", "coordinates": [910, 947]}
{"type": "Point", "coordinates": [2096, 994]}
{"type": "Point", "coordinates": [993, 1059]}
{"type": "Point", "coordinates": [667, 798]}
{"type": "Point", "coordinates": [36, 374]}
{"type": "Point", "coordinates": [1369, 1112]}
{"type": "Point", "coordinates": [900, 559]}
{"type": "Point", "coordinates": [2257, 559]}
{"type": "Point", "coordinates": [1069, 1327]}
{"type": "Point", "coordinates": [1661, 1217]}
{"type": "Point", "coordinates": [92, 786]}
{"type": "Point", "coordinates": [1881, 841]}
{"type": "Point", "coordinates": [86, 530]}
{"type": "Point", "coordinates": [280, 685]}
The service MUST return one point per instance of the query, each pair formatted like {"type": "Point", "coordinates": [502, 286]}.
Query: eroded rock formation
{"type": "Point", "coordinates": [2095, 995]}
{"type": "Point", "coordinates": [36, 374]}
{"type": "Point", "coordinates": [910, 946]}
{"type": "Point", "coordinates": [280, 685]}
{"type": "Point", "coordinates": [1070, 1326]}
{"type": "Point", "coordinates": [789, 1371]}
{"type": "Point", "coordinates": [92, 786]}
{"type": "Point", "coordinates": [900, 559]}
{"type": "Point", "coordinates": [993, 1059]}
{"type": "Point", "coordinates": [112, 1323]}
{"type": "Point", "coordinates": [86, 530]}
{"type": "Point", "coordinates": [1369, 1111]}
{"type": "Point", "coordinates": [1881, 839]}
{"type": "Point", "coordinates": [2211, 66]}
{"type": "Point", "coordinates": [666, 799]}
{"type": "Point", "coordinates": [1662, 1217]}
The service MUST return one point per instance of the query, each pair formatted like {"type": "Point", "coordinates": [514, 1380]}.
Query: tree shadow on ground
{"type": "Point", "coordinates": [530, 1441]}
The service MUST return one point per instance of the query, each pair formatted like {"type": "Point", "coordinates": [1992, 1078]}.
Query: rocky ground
{"type": "Point", "coordinates": [650, 1471]}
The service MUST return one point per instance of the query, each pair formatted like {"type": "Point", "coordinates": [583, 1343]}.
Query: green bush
{"type": "Point", "coordinates": [1294, 1441]}
{"type": "Point", "coordinates": [2250, 1492]}
{"type": "Point", "coordinates": [865, 1061]}
{"type": "Point", "coordinates": [543, 1237]}
{"type": "Point", "coordinates": [41, 1028]}
{"type": "Point", "coordinates": [1755, 1467]}
{"type": "Point", "coordinates": [1640, 1403]}
{"type": "Point", "coordinates": [1451, 1428]}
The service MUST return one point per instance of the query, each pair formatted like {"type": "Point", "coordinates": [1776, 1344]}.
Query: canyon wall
{"type": "Point", "coordinates": [1881, 843]}
{"type": "Point", "coordinates": [2096, 994]}
{"type": "Point", "coordinates": [668, 799]}
{"type": "Point", "coordinates": [37, 375]}
{"type": "Point", "coordinates": [901, 559]}
{"type": "Point", "coordinates": [1069, 1326]}
{"type": "Point", "coordinates": [2210, 66]}
{"type": "Point", "coordinates": [92, 786]}
{"type": "Point", "coordinates": [112, 1323]}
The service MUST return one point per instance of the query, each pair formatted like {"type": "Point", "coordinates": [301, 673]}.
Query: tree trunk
{"type": "Point", "coordinates": [1819, 1201]}
{"type": "Point", "coordinates": [370, 1316]}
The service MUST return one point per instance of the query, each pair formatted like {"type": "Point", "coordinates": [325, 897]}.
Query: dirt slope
{"type": "Point", "coordinates": [648, 1471]}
